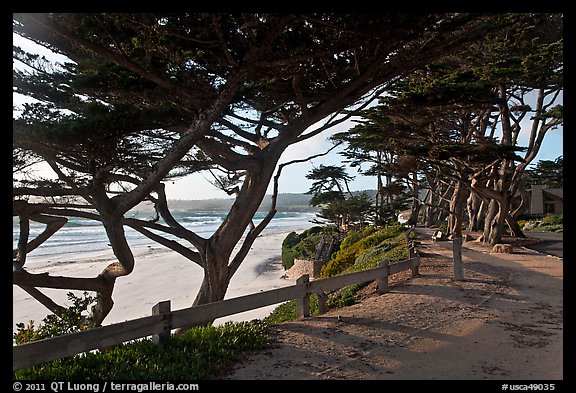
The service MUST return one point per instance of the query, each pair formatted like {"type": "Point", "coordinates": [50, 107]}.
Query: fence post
{"type": "Point", "coordinates": [322, 298]}
{"type": "Point", "coordinates": [303, 303]}
{"type": "Point", "coordinates": [383, 282]}
{"type": "Point", "coordinates": [416, 263]}
{"type": "Point", "coordinates": [162, 308]}
{"type": "Point", "coordinates": [415, 266]}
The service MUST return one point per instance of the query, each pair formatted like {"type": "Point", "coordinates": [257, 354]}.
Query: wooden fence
{"type": "Point", "coordinates": [163, 320]}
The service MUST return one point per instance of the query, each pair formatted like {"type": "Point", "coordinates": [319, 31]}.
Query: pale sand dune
{"type": "Point", "coordinates": [159, 275]}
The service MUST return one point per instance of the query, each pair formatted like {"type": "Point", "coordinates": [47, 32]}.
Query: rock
{"type": "Point", "coordinates": [300, 267]}
{"type": "Point", "coordinates": [503, 249]}
{"type": "Point", "coordinates": [437, 236]}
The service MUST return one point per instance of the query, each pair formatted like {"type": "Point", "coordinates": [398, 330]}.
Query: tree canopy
{"type": "Point", "coordinates": [147, 97]}
{"type": "Point", "coordinates": [452, 128]}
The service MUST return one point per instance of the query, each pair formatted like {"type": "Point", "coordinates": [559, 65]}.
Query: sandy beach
{"type": "Point", "coordinates": [160, 274]}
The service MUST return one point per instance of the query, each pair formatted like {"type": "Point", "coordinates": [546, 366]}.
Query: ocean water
{"type": "Point", "coordinates": [81, 248]}
{"type": "Point", "coordinates": [80, 236]}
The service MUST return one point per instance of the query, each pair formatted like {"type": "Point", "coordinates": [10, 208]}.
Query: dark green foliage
{"type": "Point", "coordinates": [200, 353]}
{"type": "Point", "coordinates": [312, 231]}
{"type": "Point", "coordinates": [287, 311]}
{"type": "Point", "coordinates": [337, 206]}
{"type": "Point", "coordinates": [546, 172]}
{"type": "Point", "coordinates": [326, 198]}
{"type": "Point", "coordinates": [344, 297]}
{"type": "Point", "coordinates": [291, 240]}
{"type": "Point", "coordinates": [328, 179]}
{"type": "Point", "coordinates": [347, 255]}
{"type": "Point", "coordinates": [303, 246]}
{"type": "Point", "coordinates": [354, 236]}
{"type": "Point", "coordinates": [288, 254]}
{"type": "Point", "coordinates": [360, 250]}
{"type": "Point", "coordinates": [354, 210]}
{"type": "Point", "coordinates": [162, 70]}
{"type": "Point", "coordinates": [70, 321]}
{"type": "Point", "coordinates": [550, 223]}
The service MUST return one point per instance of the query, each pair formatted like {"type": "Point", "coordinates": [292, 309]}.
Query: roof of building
{"type": "Point", "coordinates": [557, 192]}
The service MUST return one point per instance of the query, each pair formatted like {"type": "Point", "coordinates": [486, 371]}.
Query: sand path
{"type": "Point", "coordinates": [503, 322]}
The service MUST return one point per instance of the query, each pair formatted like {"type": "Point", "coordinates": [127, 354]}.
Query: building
{"type": "Point", "coordinates": [546, 200]}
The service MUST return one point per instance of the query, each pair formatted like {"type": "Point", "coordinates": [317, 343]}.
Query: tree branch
{"type": "Point", "coordinates": [23, 278]}
{"type": "Point", "coordinates": [226, 157]}
{"type": "Point", "coordinates": [44, 300]}
{"type": "Point", "coordinates": [171, 244]}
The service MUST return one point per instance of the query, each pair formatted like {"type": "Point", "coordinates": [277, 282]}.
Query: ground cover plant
{"type": "Point", "coordinates": [200, 353]}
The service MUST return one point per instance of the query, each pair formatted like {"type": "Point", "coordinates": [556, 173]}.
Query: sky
{"type": "Point", "coordinates": [293, 178]}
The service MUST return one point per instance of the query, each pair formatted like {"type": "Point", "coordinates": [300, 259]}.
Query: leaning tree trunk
{"type": "Point", "coordinates": [123, 267]}
{"type": "Point", "coordinates": [218, 260]}
{"type": "Point", "coordinates": [457, 214]}
{"type": "Point", "coordinates": [497, 230]}
{"type": "Point", "coordinates": [416, 206]}
{"type": "Point", "coordinates": [501, 197]}
{"type": "Point", "coordinates": [216, 277]}
{"type": "Point", "coordinates": [491, 211]}
{"type": "Point", "coordinates": [514, 227]}
{"type": "Point", "coordinates": [481, 214]}
{"type": "Point", "coordinates": [512, 213]}
{"type": "Point", "coordinates": [473, 204]}
{"type": "Point", "coordinates": [428, 209]}
{"type": "Point", "coordinates": [379, 198]}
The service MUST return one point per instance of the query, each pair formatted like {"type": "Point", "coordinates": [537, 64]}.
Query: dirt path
{"type": "Point", "coordinates": [504, 321]}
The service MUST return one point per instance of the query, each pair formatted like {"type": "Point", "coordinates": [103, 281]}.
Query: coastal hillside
{"type": "Point", "coordinates": [286, 202]}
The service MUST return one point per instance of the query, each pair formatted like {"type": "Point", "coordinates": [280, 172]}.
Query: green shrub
{"type": "Point", "coordinates": [312, 231]}
{"type": "Point", "coordinates": [360, 250]}
{"type": "Point", "coordinates": [291, 240]}
{"type": "Point", "coordinates": [374, 255]}
{"type": "Point", "coordinates": [552, 220]}
{"type": "Point", "coordinates": [70, 321]}
{"type": "Point", "coordinates": [346, 257]}
{"type": "Point", "coordinates": [397, 254]}
{"type": "Point", "coordinates": [306, 248]}
{"type": "Point", "coordinates": [288, 254]}
{"type": "Point", "coordinates": [345, 297]}
{"type": "Point", "coordinates": [288, 311]}
{"type": "Point", "coordinates": [355, 236]}
{"type": "Point", "coordinates": [282, 313]}
{"type": "Point", "coordinates": [550, 223]}
{"type": "Point", "coordinates": [303, 246]}
{"type": "Point", "coordinates": [200, 353]}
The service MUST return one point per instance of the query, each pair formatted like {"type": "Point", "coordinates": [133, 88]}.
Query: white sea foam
{"type": "Point", "coordinates": [82, 236]}
{"type": "Point", "coordinates": [159, 274]}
